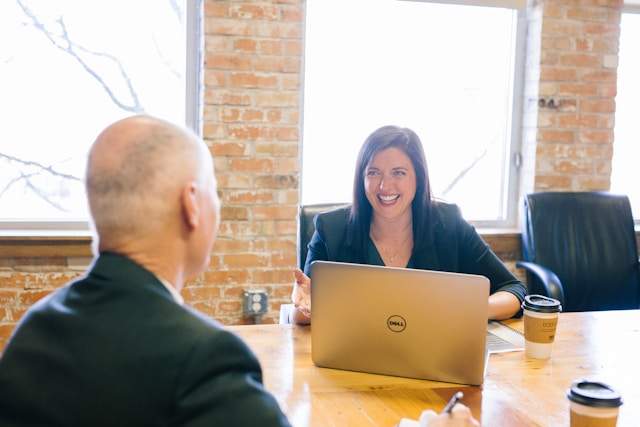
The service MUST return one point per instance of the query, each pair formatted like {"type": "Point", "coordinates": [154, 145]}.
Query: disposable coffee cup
{"type": "Point", "coordinates": [593, 404]}
{"type": "Point", "coordinates": [540, 322]}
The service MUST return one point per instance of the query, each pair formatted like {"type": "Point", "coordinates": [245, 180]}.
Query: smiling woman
{"type": "Point", "coordinates": [394, 220]}
{"type": "Point", "coordinates": [65, 62]}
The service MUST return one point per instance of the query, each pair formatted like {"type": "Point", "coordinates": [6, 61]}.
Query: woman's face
{"type": "Point", "coordinates": [390, 184]}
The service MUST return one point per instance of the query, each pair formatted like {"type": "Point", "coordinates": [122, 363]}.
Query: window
{"type": "Point", "coordinates": [71, 69]}
{"type": "Point", "coordinates": [625, 174]}
{"type": "Point", "coordinates": [449, 72]}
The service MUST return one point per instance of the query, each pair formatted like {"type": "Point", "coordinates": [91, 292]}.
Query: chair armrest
{"type": "Point", "coordinates": [548, 279]}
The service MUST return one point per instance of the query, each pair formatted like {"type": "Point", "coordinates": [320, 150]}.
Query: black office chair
{"type": "Point", "coordinates": [306, 213]}
{"type": "Point", "coordinates": [580, 248]}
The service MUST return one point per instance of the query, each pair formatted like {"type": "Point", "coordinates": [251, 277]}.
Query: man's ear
{"type": "Point", "coordinates": [189, 202]}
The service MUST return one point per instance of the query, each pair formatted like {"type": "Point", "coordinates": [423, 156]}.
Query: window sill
{"type": "Point", "coordinates": [39, 244]}
{"type": "Point", "coordinates": [77, 243]}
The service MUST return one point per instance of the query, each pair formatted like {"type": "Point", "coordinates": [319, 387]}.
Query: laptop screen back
{"type": "Point", "coordinates": [403, 322]}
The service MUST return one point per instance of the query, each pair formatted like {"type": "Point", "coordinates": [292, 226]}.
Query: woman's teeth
{"type": "Point", "coordinates": [388, 199]}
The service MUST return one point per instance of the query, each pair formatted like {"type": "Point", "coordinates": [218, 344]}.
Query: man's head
{"type": "Point", "coordinates": [152, 193]}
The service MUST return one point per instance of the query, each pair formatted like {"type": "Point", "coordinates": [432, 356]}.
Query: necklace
{"type": "Point", "coordinates": [392, 257]}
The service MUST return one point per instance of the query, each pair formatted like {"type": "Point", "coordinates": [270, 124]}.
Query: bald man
{"type": "Point", "coordinates": [117, 347]}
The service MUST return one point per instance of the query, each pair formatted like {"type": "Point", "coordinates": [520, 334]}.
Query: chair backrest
{"type": "Point", "coordinates": [306, 213]}
{"type": "Point", "coordinates": [588, 240]}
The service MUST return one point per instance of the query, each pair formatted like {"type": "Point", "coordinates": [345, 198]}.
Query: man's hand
{"type": "Point", "coordinates": [460, 416]}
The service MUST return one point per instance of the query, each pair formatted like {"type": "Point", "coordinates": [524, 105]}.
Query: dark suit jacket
{"type": "Point", "coordinates": [115, 349]}
{"type": "Point", "coordinates": [454, 246]}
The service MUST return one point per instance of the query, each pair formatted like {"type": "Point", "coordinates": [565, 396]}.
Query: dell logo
{"type": "Point", "coordinates": [396, 323]}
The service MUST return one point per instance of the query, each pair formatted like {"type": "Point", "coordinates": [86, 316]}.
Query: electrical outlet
{"type": "Point", "coordinates": [255, 302]}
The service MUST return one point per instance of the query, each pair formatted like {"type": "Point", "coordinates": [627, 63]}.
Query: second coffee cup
{"type": "Point", "coordinates": [593, 404]}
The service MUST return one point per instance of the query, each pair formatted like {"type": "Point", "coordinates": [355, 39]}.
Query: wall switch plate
{"type": "Point", "coordinates": [255, 302]}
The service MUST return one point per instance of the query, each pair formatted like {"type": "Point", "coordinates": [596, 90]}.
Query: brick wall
{"type": "Point", "coordinates": [253, 58]}
{"type": "Point", "coordinates": [574, 47]}
{"type": "Point", "coordinates": [251, 121]}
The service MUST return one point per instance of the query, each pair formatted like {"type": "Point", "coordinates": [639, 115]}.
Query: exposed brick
{"type": "Point", "coordinates": [274, 116]}
{"type": "Point", "coordinates": [216, 9]}
{"type": "Point", "coordinates": [598, 106]}
{"type": "Point", "coordinates": [577, 120]}
{"type": "Point", "coordinates": [251, 197]}
{"type": "Point", "coordinates": [6, 329]}
{"type": "Point", "coordinates": [586, 14]}
{"type": "Point", "coordinates": [280, 148]}
{"type": "Point", "coordinates": [220, 276]}
{"type": "Point", "coordinates": [595, 29]}
{"type": "Point", "coordinates": [580, 60]}
{"type": "Point", "coordinates": [254, 165]}
{"type": "Point", "coordinates": [200, 293]}
{"type": "Point", "coordinates": [278, 64]}
{"type": "Point", "coordinates": [28, 298]}
{"type": "Point", "coordinates": [596, 136]}
{"type": "Point", "coordinates": [271, 47]}
{"type": "Point", "coordinates": [229, 149]}
{"type": "Point", "coordinates": [274, 212]}
{"type": "Point", "coordinates": [608, 76]}
{"type": "Point", "coordinates": [578, 89]}
{"type": "Point", "coordinates": [555, 182]}
{"type": "Point", "coordinates": [223, 245]}
{"type": "Point", "coordinates": [593, 183]}
{"type": "Point", "coordinates": [247, 260]}
{"type": "Point", "coordinates": [555, 73]}
{"type": "Point", "coordinates": [228, 62]}
{"type": "Point", "coordinates": [239, 229]}
{"type": "Point", "coordinates": [556, 135]}
{"type": "Point", "coordinates": [253, 11]}
{"type": "Point", "coordinates": [292, 13]}
{"type": "Point", "coordinates": [234, 212]}
{"type": "Point", "coordinates": [278, 29]}
{"type": "Point", "coordinates": [228, 27]}
{"type": "Point", "coordinates": [249, 80]}
{"type": "Point", "coordinates": [277, 181]}
{"type": "Point", "coordinates": [277, 99]}
{"type": "Point", "coordinates": [245, 45]}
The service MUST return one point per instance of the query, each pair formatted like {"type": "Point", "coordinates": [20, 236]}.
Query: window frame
{"type": "Point", "coordinates": [512, 158]}
{"type": "Point", "coordinates": [629, 7]}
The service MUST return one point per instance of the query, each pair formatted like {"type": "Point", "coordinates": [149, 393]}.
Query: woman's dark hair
{"type": "Point", "coordinates": [409, 143]}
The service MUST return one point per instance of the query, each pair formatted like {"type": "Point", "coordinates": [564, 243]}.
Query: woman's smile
{"type": "Point", "coordinates": [390, 183]}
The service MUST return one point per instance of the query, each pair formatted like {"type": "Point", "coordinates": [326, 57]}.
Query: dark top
{"type": "Point", "coordinates": [454, 246]}
{"type": "Point", "coordinates": [114, 348]}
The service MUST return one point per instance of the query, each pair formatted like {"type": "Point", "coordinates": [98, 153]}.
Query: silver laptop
{"type": "Point", "coordinates": [402, 322]}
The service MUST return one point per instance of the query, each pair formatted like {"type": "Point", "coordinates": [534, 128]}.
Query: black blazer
{"type": "Point", "coordinates": [453, 245]}
{"type": "Point", "coordinates": [114, 349]}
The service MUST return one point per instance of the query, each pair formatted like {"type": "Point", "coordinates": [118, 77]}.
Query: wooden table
{"type": "Point", "coordinates": [518, 391]}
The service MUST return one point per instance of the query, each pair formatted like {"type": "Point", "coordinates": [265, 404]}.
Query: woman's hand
{"type": "Point", "coordinates": [301, 297]}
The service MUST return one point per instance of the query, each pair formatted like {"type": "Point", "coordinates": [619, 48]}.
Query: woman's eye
{"type": "Point", "coordinates": [373, 173]}
{"type": "Point", "coordinates": [399, 173]}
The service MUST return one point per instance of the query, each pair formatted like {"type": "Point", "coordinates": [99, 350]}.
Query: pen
{"type": "Point", "coordinates": [456, 397]}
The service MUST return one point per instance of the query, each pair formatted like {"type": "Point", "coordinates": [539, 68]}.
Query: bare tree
{"type": "Point", "coordinates": [92, 62]}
